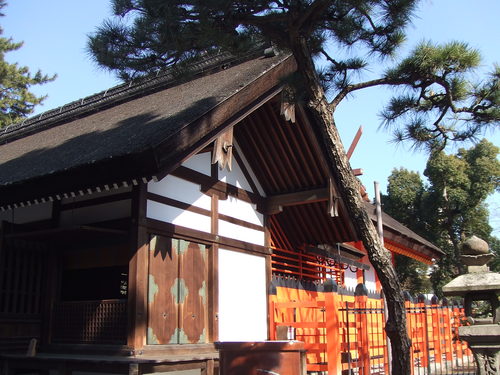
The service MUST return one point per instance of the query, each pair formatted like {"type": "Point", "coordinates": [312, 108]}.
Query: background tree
{"type": "Point", "coordinates": [16, 99]}
{"type": "Point", "coordinates": [147, 35]}
{"type": "Point", "coordinates": [405, 192]}
{"type": "Point", "coordinates": [459, 186]}
{"type": "Point", "coordinates": [449, 209]}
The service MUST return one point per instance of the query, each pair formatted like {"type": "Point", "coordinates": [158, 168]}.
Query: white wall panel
{"type": "Point", "coordinates": [94, 214]}
{"type": "Point", "coordinates": [181, 190]}
{"type": "Point", "coordinates": [242, 297]}
{"type": "Point", "coordinates": [250, 171]}
{"type": "Point", "coordinates": [238, 232]}
{"type": "Point", "coordinates": [350, 279]}
{"type": "Point", "coordinates": [235, 177]}
{"type": "Point", "coordinates": [200, 163]}
{"type": "Point", "coordinates": [242, 210]}
{"type": "Point", "coordinates": [370, 278]}
{"type": "Point", "coordinates": [168, 214]}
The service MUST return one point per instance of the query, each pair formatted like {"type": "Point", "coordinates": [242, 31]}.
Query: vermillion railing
{"type": "Point", "coordinates": [345, 334]}
{"type": "Point", "coordinates": [306, 266]}
{"type": "Point", "coordinates": [90, 322]}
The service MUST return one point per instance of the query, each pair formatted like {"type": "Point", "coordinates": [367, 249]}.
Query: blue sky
{"type": "Point", "coordinates": [54, 34]}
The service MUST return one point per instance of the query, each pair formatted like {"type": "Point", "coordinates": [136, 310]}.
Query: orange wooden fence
{"type": "Point", "coordinates": [344, 334]}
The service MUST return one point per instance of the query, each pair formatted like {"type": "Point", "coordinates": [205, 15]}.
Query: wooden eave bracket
{"type": "Point", "coordinates": [223, 150]}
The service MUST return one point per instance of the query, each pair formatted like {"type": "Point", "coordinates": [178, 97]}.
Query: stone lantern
{"type": "Point", "coordinates": [479, 284]}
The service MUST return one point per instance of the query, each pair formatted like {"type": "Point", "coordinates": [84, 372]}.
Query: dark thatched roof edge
{"type": "Point", "coordinates": [126, 91]}
{"type": "Point", "coordinates": [391, 223]}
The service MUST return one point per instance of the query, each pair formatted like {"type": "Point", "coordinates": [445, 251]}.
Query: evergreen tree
{"type": "Point", "coordinates": [459, 186]}
{"type": "Point", "coordinates": [149, 34]}
{"type": "Point", "coordinates": [449, 209]}
{"type": "Point", "coordinates": [405, 192]}
{"type": "Point", "coordinates": [16, 99]}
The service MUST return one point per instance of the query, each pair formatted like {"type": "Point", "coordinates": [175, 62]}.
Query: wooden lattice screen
{"type": "Point", "coordinates": [90, 322]}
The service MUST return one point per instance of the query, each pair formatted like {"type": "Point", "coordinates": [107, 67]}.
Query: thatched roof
{"type": "Point", "coordinates": [124, 132]}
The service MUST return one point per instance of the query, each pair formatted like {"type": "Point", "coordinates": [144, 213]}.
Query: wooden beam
{"type": "Point", "coordinates": [357, 171]}
{"type": "Point", "coordinates": [275, 203]}
{"type": "Point", "coordinates": [354, 142]}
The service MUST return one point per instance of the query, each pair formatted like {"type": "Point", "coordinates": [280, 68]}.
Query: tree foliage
{"type": "Point", "coordinates": [450, 208]}
{"type": "Point", "coordinates": [16, 99]}
{"type": "Point", "coordinates": [147, 35]}
{"type": "Point", "coordinates": [405, 193]}
{"type": "Point", "coordinates": [439, 103]}
{"type": "Point", "coordinates": [436, 102]}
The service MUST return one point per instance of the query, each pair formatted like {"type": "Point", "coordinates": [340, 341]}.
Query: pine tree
{"type": "Point", "coordinates": [148, 34]}
{"type": "Point", "coordinates": [16, 99]}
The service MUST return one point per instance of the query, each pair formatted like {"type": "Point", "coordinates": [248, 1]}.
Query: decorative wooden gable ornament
{"type": "Point", "coordinates": [333, 200]}
{"type": "Point", "coordinates": [288, 104]}
{"type": "Point", "coordinates": [223, 150]}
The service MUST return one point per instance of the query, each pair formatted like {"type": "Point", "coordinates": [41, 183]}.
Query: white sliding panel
{"type": "Point", "coordinates": [242, 297]}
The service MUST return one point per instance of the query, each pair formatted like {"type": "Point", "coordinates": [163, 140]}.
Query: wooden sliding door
{"type": "Point", "coordinates": [177, 292]}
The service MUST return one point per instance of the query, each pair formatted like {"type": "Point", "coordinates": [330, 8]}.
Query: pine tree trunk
{"type": "Point", "coordinates": [349, 189]}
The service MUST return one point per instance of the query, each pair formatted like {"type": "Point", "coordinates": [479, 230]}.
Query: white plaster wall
{"type": "Point", "coordinates": [242, 210]}
{"type": "Point", "coordinates": [180, 190]}
{"type": "Point", "coordinates": [238, 232]}
{"type": "Point", "coordinates": [22, 215]}
{"type": "Point", "coordinates": [177, 216]}
{"type": "Point", "coordinates": [242, 297]}
{"type": "Point", "coordinates": [370, 280]}
{"type": "Point", "coordinates": [200, 163]}
{"type": "Point", "coordinates": [235, 177]}
{"type": "Point", "coordinates": [94, 214]}
{"type": "Point", "coordinates": [350, 279]}
{"type": "Point", "coordinates": [250, 172]}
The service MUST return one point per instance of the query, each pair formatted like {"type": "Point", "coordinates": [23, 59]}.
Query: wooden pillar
{"type": "Point", "coordinates": [333, 338]}
{"type": "Point", "coordinates": [272, 299]}
{"type": "Point", "coordinates": [209, 368]}
{"type": "Point", "coordinates": [213, 269]}
{"type": "Point", "coordinates": [138, 271]}
{"type": "Point", "coordinates": [49, 295]}
{"type": "Point", "coordinates": [361, 299]}
{"type": "Point", "coordinates": [436, 330]}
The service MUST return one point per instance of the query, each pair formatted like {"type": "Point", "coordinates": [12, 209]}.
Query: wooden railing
{"type": "Point", "coordinates": [90, 322]}
{"type": "Point", "coordinates": [345, 334]}
{"type": "Point", "coordinates": [305, 266]}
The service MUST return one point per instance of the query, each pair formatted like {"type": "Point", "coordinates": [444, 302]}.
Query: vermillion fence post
{"type": "Point", "coordinates": [425, 333]}
{"type": "Point", "coordinates": [271, 313]}
{"type": "Point", "coordinates": [436, 334]}
{"type": "Point", "coordinates": [410, 327]}
{"type": "Point", "coordinates": [447, 333]}
{"type": "Point", "coordinates": [333, 337]}
{"type": "Point", "coordinates": [361, 299]}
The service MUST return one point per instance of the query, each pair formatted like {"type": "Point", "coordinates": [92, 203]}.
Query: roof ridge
{"type": "Point", "coordinates": [163, 78]}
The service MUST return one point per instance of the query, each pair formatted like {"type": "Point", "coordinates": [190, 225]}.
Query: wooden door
{"type": "Point", "coordinates": [177, 294]}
